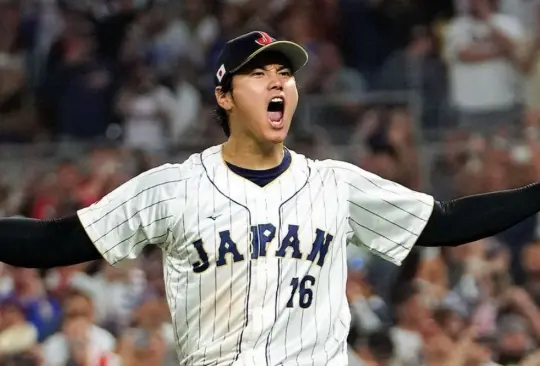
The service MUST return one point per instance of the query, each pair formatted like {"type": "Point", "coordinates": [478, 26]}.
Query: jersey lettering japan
{"type": "Point", "coordinates": [256, 275]}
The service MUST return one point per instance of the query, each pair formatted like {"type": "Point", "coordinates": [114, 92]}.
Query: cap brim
{"type": "Point", "coordinates": [296, 54]}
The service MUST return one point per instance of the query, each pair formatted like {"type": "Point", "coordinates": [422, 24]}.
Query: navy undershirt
{"type": "Point", "coordinates": [263, 177]}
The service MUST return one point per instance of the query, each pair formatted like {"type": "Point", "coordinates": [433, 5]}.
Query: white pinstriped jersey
{"type": "Point", "coordinates": [256, 275]}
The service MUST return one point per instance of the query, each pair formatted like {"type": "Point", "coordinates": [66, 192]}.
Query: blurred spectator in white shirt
{"type": "Point", "coordinates": [485, 85]}
{"type": "Point", "coordinates": [146, 108]}
{"type": "Point", "coordinates": [412, 315]}
{"type": "Point", "coordinates": [187, 109]}
{"type": "Point", "coordinates": [118, 292]}
{"type": "Point", "coordinates": [79, 341]}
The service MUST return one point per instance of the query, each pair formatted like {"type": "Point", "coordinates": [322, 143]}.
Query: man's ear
{"type": "Point", "coordinates": [224, 100]}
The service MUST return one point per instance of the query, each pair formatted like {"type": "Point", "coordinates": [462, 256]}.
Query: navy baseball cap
{"type": "Point", "coordinates": [240, 50]}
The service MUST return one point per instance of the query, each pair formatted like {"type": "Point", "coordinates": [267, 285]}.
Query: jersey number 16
{"type": "Point", "coordinates": [305, 293]}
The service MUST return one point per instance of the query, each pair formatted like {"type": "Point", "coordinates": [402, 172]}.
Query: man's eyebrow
{"type": "Point", "coordinates": [266, 68]}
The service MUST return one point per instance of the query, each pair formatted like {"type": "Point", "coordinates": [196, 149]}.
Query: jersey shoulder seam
{"type": "Point", "coordinates": [328, 164]}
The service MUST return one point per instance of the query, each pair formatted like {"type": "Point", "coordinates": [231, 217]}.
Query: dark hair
{"type": "Point", "coordinates": [442, 315]}
{"type": "Point", "coordinates": [74, 293]}
{"type": "Point", "coordinates": [381, 345]}
{"type": "Point", "coordinates": [221, 115]}
{"type": "Point", "coordinates": [403, 292]}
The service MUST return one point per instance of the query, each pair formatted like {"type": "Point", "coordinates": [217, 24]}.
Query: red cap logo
{"type": "Point", "coordinates": [265, 39]}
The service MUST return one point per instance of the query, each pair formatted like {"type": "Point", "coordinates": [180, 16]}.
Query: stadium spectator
{"type": "Point", "coordinates": [203, 25]}
{"type": "Point", "coordinates": [514, 339]}
{"type": "Point", "coordinates": [116, 293]}
{"type": "Point", "coordinates": [379, 350]}
{"type": "Point", "coordinates": [481, 51]}
{"type": "Point", "coordinates": [78, 90]}
{"type": "Point", "coordinates": [411, 316]}
{"type": "Point", "coordinates": [79, 341]}
{"type": "Point", "coordinates": [16, 335]}
{"type": "Point", "coordinates": [112, 21]}
{"type": "Point", "coordinates": [329, 76]}
{"type": "Point", "coordinates": [364, 303]}
{"type": "Point", "coordinates": [368, 35]}
{"type": "Point", "coordinates": [188, 104]}
{"type": "Point", "coordinates": [146, 108]}
{"type": "Point", "coordinates": [530, 262]}
{"type": "Point", "coordinates": [41, 310]}
{"type": "Point", "coordinates": [152, 340]}
{"type": "Point", "coordinates": [170, 40]}
{"type": "Point", "coordinates": [416, 68]}
{"type": "Point", "coordinates": [16, 113]}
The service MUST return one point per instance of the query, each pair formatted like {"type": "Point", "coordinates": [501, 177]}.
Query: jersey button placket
{"type": "Point", "coordinates": [259, 264]}
{"type": "Point", "coordinates": [255, 290]}
{"type": "Point", "coordinates": [268, 267]}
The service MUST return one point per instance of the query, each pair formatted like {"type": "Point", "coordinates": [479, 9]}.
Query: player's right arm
{"type": "Point", "coordinates": [141, 212]}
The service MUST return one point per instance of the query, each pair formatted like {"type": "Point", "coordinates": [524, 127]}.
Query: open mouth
{"type": "Point", "coordinates": [275, 111]}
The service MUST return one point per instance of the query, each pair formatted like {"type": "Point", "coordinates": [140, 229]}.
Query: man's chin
{"type": "Point", "coordinates": [276, 136]}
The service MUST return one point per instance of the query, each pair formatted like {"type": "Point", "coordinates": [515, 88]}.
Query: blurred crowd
{"type": "Point", "coordinates": [442, 97]}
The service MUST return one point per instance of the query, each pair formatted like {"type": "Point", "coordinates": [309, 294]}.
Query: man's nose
{"type": "Point", "coordinates": [275, 82]}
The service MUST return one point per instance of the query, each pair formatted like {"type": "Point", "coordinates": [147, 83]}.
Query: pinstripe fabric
{"type": "Point", "coordinates": [256, 276]}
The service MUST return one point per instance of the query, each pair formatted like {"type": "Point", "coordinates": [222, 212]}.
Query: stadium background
{"type": "Point", "coordinates": [94, 92]}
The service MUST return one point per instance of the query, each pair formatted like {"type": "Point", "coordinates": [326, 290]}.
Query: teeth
{"type": "Point", "coordinates": [277, 99]}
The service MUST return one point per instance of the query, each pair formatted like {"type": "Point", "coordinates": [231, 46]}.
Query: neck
{"type": "Point", "coordinates": [251, 155]}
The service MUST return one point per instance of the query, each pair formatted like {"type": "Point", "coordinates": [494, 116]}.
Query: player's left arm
{"type": "Point", "coordinates": [383, 216]}
{"type": "Point", "coordinates": [390, 218]}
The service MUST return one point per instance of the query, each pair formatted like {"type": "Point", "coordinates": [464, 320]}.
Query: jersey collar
{"type": "Point", "coordinates": [240, 189]}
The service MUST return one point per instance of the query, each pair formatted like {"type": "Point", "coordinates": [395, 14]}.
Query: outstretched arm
{"type": "Point", "coordinates": [138, 213]}
{"type": "Point", "coordinates": [471, 218]}
{"type": "Point", "coordinates": [45, 244]}
{"type": "Point", "coordinates": [390, 219]}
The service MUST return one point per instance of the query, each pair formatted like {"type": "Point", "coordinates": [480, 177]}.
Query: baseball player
{"type": "Point", "coordinates": [253, 234]}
